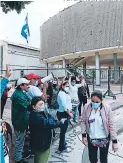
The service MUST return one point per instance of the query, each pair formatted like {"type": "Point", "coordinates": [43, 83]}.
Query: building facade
{"type": "Point", "coordinates": [21, 59]}
{"type": "Point", "coordinates": [89, 33]}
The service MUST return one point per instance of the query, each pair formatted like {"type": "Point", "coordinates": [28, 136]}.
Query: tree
{"type": "Point", "coordinates": [18, 6]}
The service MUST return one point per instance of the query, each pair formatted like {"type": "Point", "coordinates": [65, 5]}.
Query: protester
{"type": "Point", "coordinates": [55, 86]}
{"type": "Point", "coordinates": [83, 93]}
{"type": "Point", "coordinates": [33, 89]}
{"type": "Point", "coordinates": [20, 116]}
{"type": "Point", "coordinates": [73, 91]}
{"type": "Point", "coordinates": [64, 111]}
{"type": "Point", "coordinates": [4, 157]}
{"type": "Point", "coordinates": [4, 81]}
{"type": "Point", "coordinates": [49, 93]}
{"type": "Point", "coordinates": [98, 127]}
{"type": "Point", "coordinates": [3, 100]}
{"type": "Point", "coordinates": [41, 125]}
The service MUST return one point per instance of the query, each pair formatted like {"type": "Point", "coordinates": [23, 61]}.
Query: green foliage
{"type": "Point", "coordinates": [14, 5]}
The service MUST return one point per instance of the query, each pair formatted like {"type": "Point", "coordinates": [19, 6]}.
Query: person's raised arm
{"type": "Point", "coordinates": [70, 82]}
{"type": "Point", "coordinates": [4, 81]}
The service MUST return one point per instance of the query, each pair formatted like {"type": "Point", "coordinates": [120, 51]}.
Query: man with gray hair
{"type": "Point", "coordinates": [20, 116]}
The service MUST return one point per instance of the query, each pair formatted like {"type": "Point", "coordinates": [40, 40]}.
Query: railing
{"type": "Point", "coordinates": [107, 77]}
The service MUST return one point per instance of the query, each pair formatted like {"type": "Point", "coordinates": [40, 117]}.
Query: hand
{"type": "Point", "coordinates": [4, 128]}
{"type": "Point", "coordinates": [63, 120]}
{"type": "Point", "coordinates": [115, 147]}
{"type": "Point", "coordinates": [85, 141]}
{"type": "Point", "coordinates": [8, 71]}
{"type": "Point", "coordinates": [71, 115]}
{"type": "Point", "coordinates": [44, 97]}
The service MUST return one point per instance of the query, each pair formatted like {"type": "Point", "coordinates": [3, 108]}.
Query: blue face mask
{"type": "Point", "coordinates": [95, 105]}
{"type": "Point", "coordinates": [73, 83]}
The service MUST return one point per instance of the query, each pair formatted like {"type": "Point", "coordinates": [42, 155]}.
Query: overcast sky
{"type": "Point", "coordinates": [38, 12]}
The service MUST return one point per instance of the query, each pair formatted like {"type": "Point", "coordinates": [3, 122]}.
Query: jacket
{"type": "Point", "coordinates": [41, 125]}
{"type": "Point", "coordinates": [107, 117]}
{"type": "Point", "coordinates": [20, 115]}
{"type": "Point", "coordinates": [83, 91]}
{"type": "Point", "coordinates": [3, 84]}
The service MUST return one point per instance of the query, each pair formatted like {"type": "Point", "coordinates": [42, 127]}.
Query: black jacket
{"type": "Point", "coordinates": [41, 125]}
{"type": "Point", "coordinates": [83, 91]}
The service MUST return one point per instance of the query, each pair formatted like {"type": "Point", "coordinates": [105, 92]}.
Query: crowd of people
{"type": "Point", "coordinates": [32, 100]}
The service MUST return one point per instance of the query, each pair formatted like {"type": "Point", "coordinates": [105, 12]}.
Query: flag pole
{"type": "Point", "coordinates": [27, 55]}
{"type": "Point", "coordinates": [27, 43]}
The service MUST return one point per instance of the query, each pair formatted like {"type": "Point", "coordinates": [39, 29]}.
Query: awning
{"type": "Point", "coordinates": [70, 56]}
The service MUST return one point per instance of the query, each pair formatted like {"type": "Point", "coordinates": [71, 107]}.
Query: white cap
{"type": "Point", "coordinates": [22, 81]}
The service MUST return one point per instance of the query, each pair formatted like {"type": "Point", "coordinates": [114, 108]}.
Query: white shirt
{"type": "Point", "coordinates": [96, 130]}
{"type": "Point", "coordinates": [34, 91]}
{"type": "Point", "coordinates": [73, 91]}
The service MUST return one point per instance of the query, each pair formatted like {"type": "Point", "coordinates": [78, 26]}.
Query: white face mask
{"type": "Point", "coordinates": [66, 89]}
{"type": "Point", "coordinates": [41, 109]}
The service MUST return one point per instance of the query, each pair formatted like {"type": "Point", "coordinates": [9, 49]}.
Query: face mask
{"type": "Point", "coordinates": [41, 109]}
{"type": "Point", "coordinates": [73, 84]}
{"type": "Point", "coordinates": [95, 105]}
{"type": "Point", "coordinates": [66, 89]}
{"type": "Point", "coordinates": [36, 83]}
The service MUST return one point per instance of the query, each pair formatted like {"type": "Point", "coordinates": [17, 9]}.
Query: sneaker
{"type": "Point", "coordinates": [26, 155]}
{"type": "Point", "coordinates": [21, 161]}
{"type": "Point", "coordinates": [75, 121]}
{"type": "Point", "coordinates": [67, 150]}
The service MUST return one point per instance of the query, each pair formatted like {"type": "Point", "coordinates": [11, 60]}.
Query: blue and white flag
{"type": "Point", "coordinates": [25, 30]}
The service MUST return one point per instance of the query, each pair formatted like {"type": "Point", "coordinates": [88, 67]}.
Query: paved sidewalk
{"type": "Point", "coordinates": [76, 145]}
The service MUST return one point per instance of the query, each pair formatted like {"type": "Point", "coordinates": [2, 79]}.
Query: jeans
{"type": "Point", "coordinates": [75, 108]}
{"type": "Point", "coordinates": [42, 157]}
{"type": "Point", "coordinates": [62, 142]}
{"type": "Point", "coordinates": [19, 145]}
{"type": "Point", "coordinates": [93, 153]}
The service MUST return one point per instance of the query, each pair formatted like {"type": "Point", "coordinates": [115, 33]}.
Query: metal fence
{"type": "Point", "coordinates": [111, 81]}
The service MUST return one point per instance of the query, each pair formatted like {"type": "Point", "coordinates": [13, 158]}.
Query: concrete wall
{"type": "Point", "coordinates": [84, 26]}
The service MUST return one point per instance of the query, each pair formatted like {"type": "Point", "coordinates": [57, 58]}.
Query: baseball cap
{"type": "Point", "coordinates": [22, 81]}
{"type": "Point", "coordinates": [32, 76]}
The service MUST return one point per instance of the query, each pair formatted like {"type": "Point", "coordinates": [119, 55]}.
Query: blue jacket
{"type": "Point", "coordinates": [41, 125]}
{"type": "Point", "coordinates": [3, 84]}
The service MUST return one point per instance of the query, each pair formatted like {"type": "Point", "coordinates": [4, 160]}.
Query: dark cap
{"type": "Point", "coordinates": [98, 94]}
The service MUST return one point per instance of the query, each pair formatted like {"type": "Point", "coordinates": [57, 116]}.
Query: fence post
{"type": "Point", "coordinates": [22, 73]}
{"type": "Point", "coordinates": [121, 81]}
{"type": "Point", "coordinates": [93, 79]}
{"type": "Point", "coordinates": [109, 78]}
{"type": "Point", "coordinates": [47, 68]}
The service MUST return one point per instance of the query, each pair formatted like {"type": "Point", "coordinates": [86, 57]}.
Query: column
{"type": "Point", "coordinates": [115, 68]}
{"type": "Point", "coordinates": [46, 67]}
{"type": "Point", "coordinates": [64, 66]}
{"type": "Point", "coordinates": [97, 66]}
{"type": "Point", "coordinates": [84, 69]}
{"type": "Point", "coordinates": [1, 61]}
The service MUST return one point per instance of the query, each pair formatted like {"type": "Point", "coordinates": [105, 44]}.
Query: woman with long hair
{"type": "Point", "coordinates": [64, 111]}
{"type": "Point", "coordinates": [41, 125]}
{"type": "Point", "coordinates": [98, 128]}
